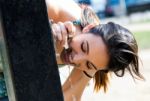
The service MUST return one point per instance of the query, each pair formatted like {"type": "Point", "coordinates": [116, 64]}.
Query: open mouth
{"type": "Point", "coordinates": [65, 54]}
{"type": "Point", "coordinates": [66, 57]}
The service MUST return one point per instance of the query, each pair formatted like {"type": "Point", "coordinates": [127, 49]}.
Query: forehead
{"type": "Point", "coordinates": [98, 54]}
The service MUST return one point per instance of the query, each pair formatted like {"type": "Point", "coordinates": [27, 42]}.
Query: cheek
{"type": "Point", "coordinates": [80, 61]}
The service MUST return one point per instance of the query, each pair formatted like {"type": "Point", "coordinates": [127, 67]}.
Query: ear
{"type": "Point", "coordinates": [87, 28]}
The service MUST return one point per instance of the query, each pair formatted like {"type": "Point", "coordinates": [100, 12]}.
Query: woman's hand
{"type": "Point", "coordinates": [61, 32]}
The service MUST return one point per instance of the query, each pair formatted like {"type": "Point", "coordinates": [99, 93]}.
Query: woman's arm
{"type": "Point", "coordinates": [74, 86]}
{"type": "Point", "coordinates": [63, 10]}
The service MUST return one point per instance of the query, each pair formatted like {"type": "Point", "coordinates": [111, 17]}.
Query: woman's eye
{"type": "Point", "coordinates": [83, 47]}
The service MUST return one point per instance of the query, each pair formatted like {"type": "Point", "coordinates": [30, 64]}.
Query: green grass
{"type": "Point", "coordinates": [143, 39]}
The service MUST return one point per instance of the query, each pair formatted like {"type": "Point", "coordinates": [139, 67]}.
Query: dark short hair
{"type": "Point", "coordinates": [122, 49]}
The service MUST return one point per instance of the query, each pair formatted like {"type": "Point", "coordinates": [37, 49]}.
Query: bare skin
{"type": "Point", "coordinates": [85, 47]}
{"type": "Point", "coordinates": [95, 54]}
{"type": "Point", "coordinates": [63, 10]}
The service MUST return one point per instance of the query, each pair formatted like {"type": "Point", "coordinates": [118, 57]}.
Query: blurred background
{"type": "Point", "coordinates": [135, 16]}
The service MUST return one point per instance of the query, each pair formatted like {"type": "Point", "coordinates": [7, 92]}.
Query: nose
{"type": "Point", "coordinates": [80, 61]}
{"type": "Point", "coordinates": [79, 58]}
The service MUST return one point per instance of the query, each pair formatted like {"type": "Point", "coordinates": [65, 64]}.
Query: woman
{"type": "Point", "coordinates": [94, 50]}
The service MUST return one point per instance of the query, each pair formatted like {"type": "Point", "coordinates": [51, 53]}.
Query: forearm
{"type": "Point", "coordinates": [75, 85]}
{"type": "Point", "coordinates": [63, 10]}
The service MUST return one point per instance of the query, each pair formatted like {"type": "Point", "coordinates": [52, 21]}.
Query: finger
{"type": "Point", "coordinates": [53, 30]}
{"type": "Point", "coordinates": [70, 27]}
{"type": "Point", "coordinates": [63, 32]}
{"type": "Point", "coordinates": [57, 32]}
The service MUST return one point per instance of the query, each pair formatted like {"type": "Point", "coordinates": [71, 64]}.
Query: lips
{"type": "Point", "coordinates": [65, 56]}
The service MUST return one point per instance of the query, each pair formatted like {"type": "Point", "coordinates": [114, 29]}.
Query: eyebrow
{"type": "Point", "coordinates": [88, 62]}
{"type": "Point", "coordinates": [94, 66]}
{"type": "Point", "coordinates": [87, 74]}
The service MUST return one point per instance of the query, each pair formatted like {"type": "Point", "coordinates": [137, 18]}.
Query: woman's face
{"type": "Point", "coordinates": [87, 51]}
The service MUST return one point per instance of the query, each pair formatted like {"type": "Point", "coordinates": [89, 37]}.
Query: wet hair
{"type": "Point", "coordinates": [122, 50]}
